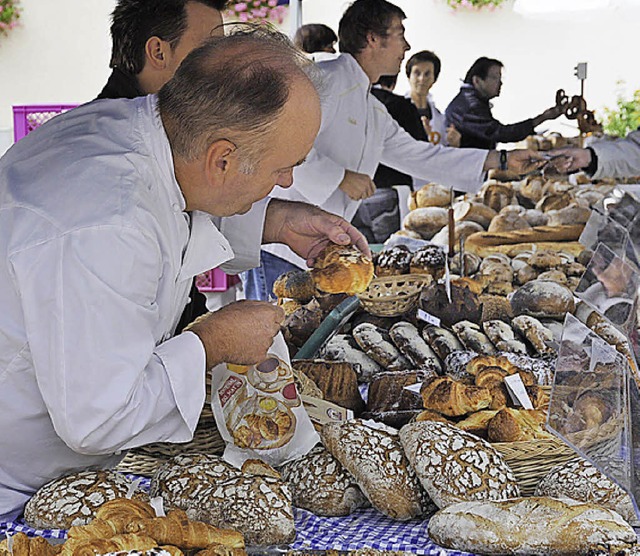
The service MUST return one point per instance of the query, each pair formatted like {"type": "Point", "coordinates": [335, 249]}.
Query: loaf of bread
{"type": "Point", "coordinates": [534, 525]}
{"type": "Point", "coordinates": [387, 391]}
{"type": "Point", "coordinates": [503, 337]}
{"type": "Point", "coordinates": [336, 379]}
{"type": "Point", "coordinates": [473, 212]}
{"type": "Point", "coordinates": [426, 221]}
{"type": "Point", "coordinates": [517, 425]}
{"type": "Point", "coordinates": [319, 483]}
{"type": "Point", "coordinates": [452, 398]}
{"type": "Point", "coordinates": [210, 490]}
{"type": "Point", "coordinates": [454, 465]}
{"type": "Point", "coordinates": [342, 347]}
{"type": "Point", "coordinates": [295, 284]}
{"type": "Point", "coordinates": [542, 298]}
{"type": "Point", "coordinates": [393, 261]}
{"type": "Point", "coordinates": [377, 344]}
{"type": "Point", "coordinates": [342, 269]}
{"type": "Point", "coordinates": [432, 195]}
{"type": "Point", "coordinates": [508, 222]}
{"type": "Point", "coordinates": [407, 339]}
{"type": "Point", "coordinates": [74, 499]}
{"type": "Point", "coordinates": [441, 341]}
{"type": "Point", "coordinates": [472, 337]}
{"type": "Point", "coordinates": [429, 260]}
{"type": "Point", "coordinates": [463, 304]}
{"type": "Point", "coordinates": [537, 335]}
{"type": "Point", "coordinates": [377, 462]}
{"type": "Point", "coordinates": [580, 480]}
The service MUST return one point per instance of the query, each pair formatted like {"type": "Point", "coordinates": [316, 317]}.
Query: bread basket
{"type": "Point", "coordinates": [531, 460]}
{"type": "Point", "coordinates": [390, 296]}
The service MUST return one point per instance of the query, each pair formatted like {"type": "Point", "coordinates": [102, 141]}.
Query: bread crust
{"type": "Point", "coordinates": [342, 269]}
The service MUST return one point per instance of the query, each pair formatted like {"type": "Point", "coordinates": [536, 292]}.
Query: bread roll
{"type": "Point", "coordinates": [377, 344]}
{"type": "Point", "coordinates": [473, 338]}
{"type": "Point", "coordinates": [74, 499]}
{"type": "Point", "coordinates": [393, 262]}
{"type": "Point", "coordinates": [497, 195]}
{"type": "Point", "coordinates": [319, 483]}
{"type": "Point", "coordinates": [433, 195]}
{"type": "Point", "coordinates": [426, 221]}
{"type": "Point", "coordinates": [473, 212]}
{"type": "Point", "coordinates": [454, 465]}
{"type": "Point", "coordinates": [295, 284]}
{"type": "Point", "coordinates": [342, 269]}
{"type": "Point", "coordinates": [441, 341]}
{"type": "Point", "coordinates": [534, 525]}
{"type": "Point", "coordinates": [452, 398]}
{"type": "Point", "coordinates": [430, 260]}
{"type": "Point", "coordinates": [408, 340]}
{"type": "Point", "coordinates": [377, 462]}
{"type": "Point", "coordinates": [343, 347]}
{"type": "Point", "coordinates": [580, 480]}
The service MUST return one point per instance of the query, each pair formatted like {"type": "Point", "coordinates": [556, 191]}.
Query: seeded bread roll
{"type": "Point", "coordinates": [532, 525]}
{"type": "Point", "coordinates": [74, 499]}
{"type": "Point", "coordinates": [580, 480]}
{"type": "Point", "coordinates": [455, 466]}
{"type": "Point", "coordinates": [376, 459]}
{"type": "Point", "coordinates": [342, 269]}
{"type": "Point", "coordinates": [321, 484]}
{"type": "Point", "coordinates": [295, 284]}
{"type": "Point", "coordinates": [408, 340]}
{"type": "Point", "coordinates": [377, 344]}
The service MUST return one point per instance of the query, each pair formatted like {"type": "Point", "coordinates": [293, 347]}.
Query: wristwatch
{"type": "Point", "coordinates": [503, 159]}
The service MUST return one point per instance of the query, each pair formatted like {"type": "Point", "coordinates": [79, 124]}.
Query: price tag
{"type": "Point", "coordinates": [415, 388]}
{"type": "Point", "coordinates": [157, 504]}
{"type": "Point", "coordinates": [133, 487]}
{"type": "Point", "coordinates": [517, 391]}
{"type": "Point", "coordinates": [428, 317]}
{"type": "Point", "coordinates": [323, 412]}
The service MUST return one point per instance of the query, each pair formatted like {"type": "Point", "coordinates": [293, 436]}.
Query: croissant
{"type": "Point", "coordinates": [480, 362]}
{"type": "Point", "coordinates": [22, 545]}
{"type": "Point", "coordinates": [478, 422]}
{"type": "Point", "coordinates": [516, 425]}
{"type": "Point", "coordinates": [178, 530]}
{"type": "Point", "coordinates": [96, 529]}
{"type": "Point", "coordinates": [452, 398]}
{"type": "Point", "coordinates": [492, 378]}
{"type": "Point", "coordinates": [117, 543]}
{"type": "Point", "coordinates": [216, 549]}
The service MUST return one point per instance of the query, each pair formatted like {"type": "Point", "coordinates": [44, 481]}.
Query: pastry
{"type": "Point", "coordinates": [517, 425]}
{"type": "Point", "coordinates": [452, 398]}
{"type": "Point", "coordinates": [393, 261]}
{"type": "Point", "coordinates": [295, 284]}
{"type": "Point", "coordinates": [342, 269]}
{"type": "Point", "coordinates": [430, 260]}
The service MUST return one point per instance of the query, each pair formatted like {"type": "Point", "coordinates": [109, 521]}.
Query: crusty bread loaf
{"type": "Point", "coordinates": [432, 195]}
{"type": "Point", "coordinates": [452, 398]}
{"type": "Point", "coordinates": [534, 525]}
{"type": "Point", "coordinates": [508, 222]}
{"type": "Point", "coordinates": [376, 459]}
{"type": "Point", "coordinates": [343, 347]}
{"type": "Point", "coordinates": [210, 490]}
{"type": "Point", "coordinates": [538, 335]}
{"type": "Point", "coordinates": [377, 344]}
{"type": "Point", "coordinates": [319, 483]}
{"type": "Point", "coordinates": [473, 212]}
{"type": "Point", "coordinates": [342, 269]}
{"type": "Point", "coordinates": [407, 339]}
{"type": "Point", "coordinates": [74, 499]}
{"type": "Point", "coordinates": [387, 391]}
{"type": "Point", "coordinates": [295, 284]}
{"type": "Point", "coordinates": [472, 337]}
{"type": "Point", "coordinates": [426, 221]}
{"type": "Point", "coordinates": [503, 337]}
{"type": "Point", "coordinates": [543, 298]}
{"type": "Point", "coordinates": [442, 341]}
{"type": "Point", "coordinates": [454, 465]}
{"type": "Point", "coordinates": [580, 480]}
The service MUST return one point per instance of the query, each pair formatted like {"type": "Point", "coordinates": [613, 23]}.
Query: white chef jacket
{"type": "Point", "coordinates": [357, 133]}
{"type": "Point", "coordinates": [97, 257]}
{"type": "Point", "coordinates": [619, 158]}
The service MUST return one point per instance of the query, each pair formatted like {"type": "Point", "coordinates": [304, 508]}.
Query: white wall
{"type": "Point", "coordinates": [60, 53]}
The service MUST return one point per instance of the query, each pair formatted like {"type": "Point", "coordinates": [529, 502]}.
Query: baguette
{"type": "Point", "coordinates": [532, 235]}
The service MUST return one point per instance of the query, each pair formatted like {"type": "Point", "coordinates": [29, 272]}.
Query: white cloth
{"type": "Point", "coordinates": [619, 158]}
{"type": "Point", "coordinates": [357, 133]}
{"type": "Point", "coordinates": [97, 257]}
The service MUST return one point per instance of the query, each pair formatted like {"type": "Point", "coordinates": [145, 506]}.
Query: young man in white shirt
{"type": "Point", "coordinates": [105, 218]}
{"type": "Point", "coordinates": [357, 133]}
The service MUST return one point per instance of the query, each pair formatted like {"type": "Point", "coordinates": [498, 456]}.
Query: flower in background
{"type": "Point", "coordinates": [256, 10]}
{"type": "Point", "coordinates": [474, 4]}
{"type": "Point", "coordinates": [9, 15]}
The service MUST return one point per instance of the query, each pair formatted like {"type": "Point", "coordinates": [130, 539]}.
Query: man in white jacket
{"type": "Point", "coordinates": [357, 133]}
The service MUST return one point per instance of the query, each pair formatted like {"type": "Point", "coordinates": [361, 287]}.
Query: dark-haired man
{"type": "Point", "coordinates": [151, 37]}
{"type": "Point", "coordinates": [118, 218]}
{"type": "Point", "coordinates": [357, 134]}
{"type": "Point", "coordinates": [470, 110]}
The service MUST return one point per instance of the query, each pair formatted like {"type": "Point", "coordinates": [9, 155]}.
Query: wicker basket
{"type": "Point", "coordinates": [391, 296]}
{"type": "Point", "coordinates": [206, 439]}
{"type": "Point", "coordinates": [531, 460]}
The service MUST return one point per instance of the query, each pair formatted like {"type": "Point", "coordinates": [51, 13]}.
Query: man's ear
{"type": "Point", "coordinates": [219, 160]}
{"type": "Point", "coordinates": [474, 81]}
{"type": "Point", "coordinates": [157, 53]}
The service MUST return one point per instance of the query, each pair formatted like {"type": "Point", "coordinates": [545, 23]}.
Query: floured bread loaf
{"type": "Point", "coordinates": [319, 483]}
{"type": "Point", "coordinates": [538, 335]}
{"type": "Point", "coordinates": [502, 336]}
{"type": "Point", "coordinates": [579, 480]}
{"type": "Point", "coordinates": [454, 465]}
{"type": "Point", "coordinates": [535, 525]}
{"type": "Point", "coordinates": [211, 490]}
{"type": "Point", "coordinates": [408, 340]}
{"type": "Point", "coordinates": [342, 347]}
{"type": "Point", "coordinates": [543, 298]}
{"type": "Point", "coordinates": [376, 459]}
{"type": "Point", "coordinates": [377, 344]}
{"type": "Point", "coordinates": [472, 337]}
{"type": "Point", "coordinates": [342, 269]}
{"type": "Point", "coordinates": [74, 499]}
{"type": "Point", "coordinates": [441, 341]}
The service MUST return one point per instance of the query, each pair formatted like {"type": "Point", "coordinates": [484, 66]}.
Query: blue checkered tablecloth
{"type": "Point", "coordinates": [366, 528]}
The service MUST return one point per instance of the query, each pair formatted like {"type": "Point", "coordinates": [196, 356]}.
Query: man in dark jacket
{"type": "Point", "coordinates": [149, 40]}
{"type": "Point", "coordinates": [470, 110]}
